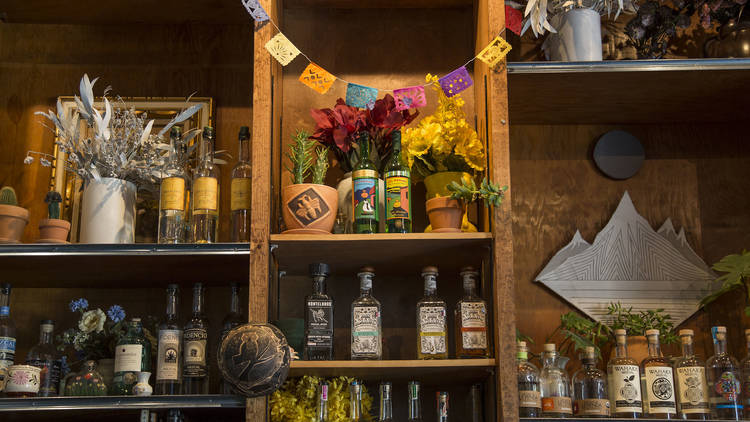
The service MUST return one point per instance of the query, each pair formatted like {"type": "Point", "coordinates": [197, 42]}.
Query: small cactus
{"type": "Point", "coordinates": [53, 200]}
{"type": "Point", "coordinates": [8, 196]}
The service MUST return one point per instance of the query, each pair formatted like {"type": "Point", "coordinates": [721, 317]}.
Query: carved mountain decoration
{"type": "Point", "coordinates": [631, 263]}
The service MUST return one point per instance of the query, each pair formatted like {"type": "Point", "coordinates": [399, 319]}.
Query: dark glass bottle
{"type": "Point", "coordinates": [195, 345]}
{"type": "Point", "coordinates": [318, 343]}
{"type": "Point", "coordinates": [233, 319]}
{"type": "Point", "coordinates": [386, 404]}
{"type": "Point", "coordinates": [45, 356]}
{"type": "Point", "coordinates": [442, 406]}
{"type": "Point", "coordinates": [477, 403]}
{"type": "Point", "coordinates": [397, 190]}
{"type": "Point", "coordinates": [529, 387]}
{"type": "Point", "coordinates": [169, 355]}
{"type": "Point", "coordinates": [132, 355]}
{"type": "Point", "coordinates": [591, 399]}
{"type": "Point", "coordinates": [7, 330]}
{"type": "Point", "coordinates": [240, 190]}
{"type": "Point", "coordinates": [415, 402]}
{"type": "Point", "coordinates": [365, 187]}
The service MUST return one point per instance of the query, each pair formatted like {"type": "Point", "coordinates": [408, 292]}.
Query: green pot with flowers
{"type": "Point", "coordinates": [52, 229]}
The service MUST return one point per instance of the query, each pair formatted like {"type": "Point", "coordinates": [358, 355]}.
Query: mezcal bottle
{"type": "Point", "coordinates": [529, 389]}
{"type": "Point", "coordinates": [45, 356]}
{"type": "Point", "coordinates": [169, 355]}
{"type": "Point", "coordinates": [241, 186]}
{"type": "Point", "coordinates": [321, 413]}
{"type": "Point", "coordinates": [690, 381]}
{"type": "Point", "coordinates": [365, 186]}
{"type": "Point", "coordinates": [318, 343]}
{"type": "Point", "coordinates": [386, 403]}
{"type": "Point", "coordinates": [431, 320]}
{"type": "Point", "coordinates": [745, 372]}
{"type": "Point", "coordinates": [132, 355]}
{"type": "Point", "coordinates": [172, 194]}
{"type": "Point", "coordinates": [233, 319]}
{"type": "Point", "coordinates": [205, 225]}
{"type": "Point", "coordinates": [723, 377]}
{"type": "Point", "coordinates": [442, 406]}
{"type": "Point", "coordinates": [415, 402]}
{"type": "Point", "coordinates": [556, 400]}
{"type": "Point", "coordinates": [471, 319]}
{"type": "Point", "coordinates": [366, 339]}
{"type": "Point", "coordinates": [659, 380]}
{"type": "Point", "coordinates": [590, 388]}
{"type": "Point", "coordinates": [7, 331]}
{"type": "Point", "coordinates": [195, 347]}
{"type": "Point", "coordinates": [397, 190]}
{"type": "Point", "coordinates": [355, 401]}
{"type": "Point", "coordinates": [624, 381]}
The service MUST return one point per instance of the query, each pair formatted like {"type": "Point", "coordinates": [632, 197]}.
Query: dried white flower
{"type": "Point", "coordinates": [92, 321]}
{"type": "Point", "coordinates": [28, 160]}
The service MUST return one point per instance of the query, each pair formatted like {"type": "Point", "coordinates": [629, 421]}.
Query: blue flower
{"type": "Point", "coordinates": [116, 313]}
{"type": "Point", "coordinates": [79, 305]}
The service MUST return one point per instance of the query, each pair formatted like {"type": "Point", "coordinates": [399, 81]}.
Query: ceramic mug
{"type": "Point", "coordinates": [22, 381]}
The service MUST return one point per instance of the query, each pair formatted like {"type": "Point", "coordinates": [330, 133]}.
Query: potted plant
{"type": "Point", "coordinates": [13, 219]}
{"type": "Point", "coordinates": [446, 212]}
{"type": "Point", "coordinates": [53, 229]}
{"type": "Point", "coordinates": [308, 207]}
{"type": "Point", "coordinates": [737, 269]}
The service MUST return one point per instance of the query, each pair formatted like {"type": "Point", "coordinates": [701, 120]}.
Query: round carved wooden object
{"type": "Point", "coordinates": [254, 359]}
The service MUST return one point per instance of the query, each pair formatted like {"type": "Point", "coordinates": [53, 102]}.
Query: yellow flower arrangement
{"type": "Point", "coordinates": [297, 400]}
{"type": "Point", "coordinates": [443, 141]}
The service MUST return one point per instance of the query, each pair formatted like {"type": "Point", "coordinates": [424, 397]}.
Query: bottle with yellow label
{"type": "Point", "coordinates": [205, 224]}
{"type": "Point", "coordinates": [172, 194]}
{"type": "Point", "coordinates": [240, 201]}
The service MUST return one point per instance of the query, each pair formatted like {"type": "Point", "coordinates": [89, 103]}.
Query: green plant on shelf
{"type": "Point", "coordinates": [468, 192]}
{"type": "Point", "coordinates": [636, 323]}
{"type": "Point", "coordinates": [8, 196]}
{"type": "Point", "coordinates": [737, 276]}
{"type": "Point", "coordinates": [53, 200]}
{"type": "Point", "coordinates": [320, 167]}
{"type": "Point", "coordinates": [300, 157]}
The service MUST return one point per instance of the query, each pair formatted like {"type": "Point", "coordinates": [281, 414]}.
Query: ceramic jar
{"type": "Point", "coordinates": [108, 211]}
{"type": "Point", "coordinates": [23, 381]}
{"type": "Point", "coordinates": [308, 208]}
{"type": "Point", "coordinates": [142, 387]}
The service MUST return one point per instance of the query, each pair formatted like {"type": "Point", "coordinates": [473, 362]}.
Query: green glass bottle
{"type": "Point", "coordinates": [397, 190]}
{"type": "Point", "coordinates": [132, 355]}
{"type": "Point", "coordinates": [365, 190]}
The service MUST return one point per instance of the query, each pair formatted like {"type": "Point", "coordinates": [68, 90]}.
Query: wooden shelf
{"type": "Point", "coordinates": [429, 372]}
{"type": "Point", "coordinates": [388, 253]}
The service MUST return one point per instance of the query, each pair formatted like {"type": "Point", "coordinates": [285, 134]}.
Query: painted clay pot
{"type": "Point", "coordinates": [52, 230]}
{"type": "Point", "coordinates": [309, 208]}
{"type": "Point", "coordinates": [142, 387]}
{"type": "Point", "coordinates": [13, 220]}
{"type": "Point", "coordinates": [445, 214]}
{"type": "Point", "coordinates": [23, 381]}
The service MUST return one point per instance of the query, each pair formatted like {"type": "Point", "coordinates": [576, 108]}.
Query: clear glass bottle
{"type": "Point", "coordinates": [172, 194]}
{"type": "Point", "coordinates": [132, 355]}
{"type": "Point", "coordinates": [556, 400]}
{"type": "Point", "coordinates": [723, 378]}
{"type": "Point", "coordinates": [233, 319]}
{"type": "Point", "coordinates": [169, 354]}
{"type": "Point", "coordinates": [318, 343]}
{"type": "Point", "coordinates": [529, 388]}
{"type": "Point", "coordinates": [442, 406]}
{"type": "Point", "coordinates": [189, 171]}
{"type": "Point", "coordinates": [367, 331]}
{"type": "Point", "coordinates": [415, 402]}
{"type": "Point", "coordinates": [690, 382]}
{"type": "Point", "coordinates": [431, 320]}
{"type": "Point", "coordinates": [365, 187]}
{"type": "Point", "coordinates": [7, 329]}
{"type": "Point", "coordinates": [205, 225]}
{"type": "Point", "coordinates": [386, 402]}
{"type": "Point", "coordinates": [745, 372]}
{"type": "Point", "coordinates": [590, 388]}
{"type": "Point", "coordinates": [355, 401]}
{"type": "Point", "coordinates": [397, 190]}
{"type": "Point", "coordinates": [321, 413]}
{"type": "Point", "coordinates": [471, 319]}
{"type": "Point", "coordinates": [195, 347]}
{"type": "Point", "coordinates": [623, 374]}
{"type": "Point", "coordinates": [657, 373]}
{"type": "Point", "coordinates": [44, 355]}
{"type": "Point", "coordinates": [241, 188]}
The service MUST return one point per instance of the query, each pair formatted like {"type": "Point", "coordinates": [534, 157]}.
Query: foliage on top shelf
{"type": "Point", "coordinates": [8, 196]}
{"type": "Point", "coordinates": [737, 269]}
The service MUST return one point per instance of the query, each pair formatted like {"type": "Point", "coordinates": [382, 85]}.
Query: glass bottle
{"type": "Point", "coordinates": [322, 410]}
{"type": "Point", "coordinates": [233, 319]}
{"type": "Point", "coordinates": [366, 337]}
{"type": "Point", "coordinates": [386, 403]}
{"type": "Point", "coordinates": [132, 355]}
{"type": "Point", "coordinates": [241, 188]}
{"type": "Point", "coordinates": [690, 381]}
{"type": "Point", "coordinates": [189, 171]}
{"type": "Point", "coordinates": [195, 347]}
{"type": "Point", "coordinates": [205, 225]}
{"type": "Point", "coordinates": [45, 356]}
{"type": "Point", "coordinates": [442, 406]}
{"type": "Point", "coordinates": [529, 388]}
{"type": "Point", "coordinates": [657, 372]}
{"type": "Point", "coordinates": [623, 375]}
{"type": "Point", "coordinates": [556, 400]}
{"type": "Point", "coordinates": [397, 190]}
{"type": "Point", "coordinates": [365, 186]}
{"type": "Point", "coordinates": [415, 401]}
{"type": "Point", "coordinates": [431, 316]}
{"type": "Point", "coordinates": [477, 403]}
{"type": "Point", "coordinates": [723, 378]}
{"type": "Point", "coordinates": [355, 401]}
{"type": "Point", "coordinates": [745, 372]}
{"type": "Point", "coordinates": [318, 343]}
{"type": "Point", "coordinates": [7, 330]}
{"type": "Point", "coordinates": [169, 354]}
{"type": "Point", "coordinates": [172, 194]}
{"type": "Point", "coordinates": [590, 388]}
{"type": "Point", "coordinates": [471, 319]}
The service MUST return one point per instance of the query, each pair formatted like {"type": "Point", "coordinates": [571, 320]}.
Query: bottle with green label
{"type": "Point", "coordinates": [132, 355]}
{"type": "Point", "coordinates": [365, 190]}
{"type": "Point", "coordinates": [397, 190]}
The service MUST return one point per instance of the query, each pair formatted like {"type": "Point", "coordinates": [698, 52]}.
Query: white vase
{"type": "Point", "coordinates": [142, 387]}
{"type": "Point", "coordinates": [108, 211]}
{"type": "Point", "coordinates": [344, 189]}
{"type": "Point", "coordinates": [578, 37]}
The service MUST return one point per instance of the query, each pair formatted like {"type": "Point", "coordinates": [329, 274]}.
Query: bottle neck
{"type": "Point", "coordinates": [621, 348]}
{"type": "Point", "coordinates": [319, 285]}
{"type": "Point", "coordinates": [720, 347]}
{"type": "Point", "coordinates": [135, 328]}
{"type": "Point", "coordinates": [588, 363]}
{"type": "Point", "coordinates": [198, 301]}
{"type": "Point", "coordinates": [470, 288]}
{"type": "Point", "coordinates": [364, 148]}
{"type": "Point", "coordinates": [4, 304]}
{"type": "Point", "coordinates": [45, 334]}
{"type": "Point", "coordinates": [365, 284]}
{"type": "Point", "coordinates": [172, 305]}
{"type": "Point", "coordinates": [549, 358]}
{"type": "Point", "coordinates": [430, 284]}
{"type": "Point", "coordinates": [244, 150]}
{"type": "Point", "coordinates": [654, 349]}
{"type": "Point", "coordinates": [415, 404]}
{"type": "Point", "coordinates": [207, 152]}
{"type": "Point", "coordinates": [687, 348]}
{"type": "Point", "coordinates": [386, 405]}
{"type": "Point", "coordinates": [234, 305]}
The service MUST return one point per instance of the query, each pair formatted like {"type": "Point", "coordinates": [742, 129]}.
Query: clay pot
{"type": "Point", "coordinates": [53, 231]}
{"type": "Point", "coordinates": [445, 214]}
{"type": "Point", "coordinates": [13, 221]}
{"type": "Point", "coordinates": [309, 208]}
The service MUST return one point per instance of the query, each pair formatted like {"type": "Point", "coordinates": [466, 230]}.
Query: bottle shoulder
{"type": "Point", "coordinates": [688, 362]}
{"type": "Point", "coordinates": [242, 170]}
{"type": "Point", "coordinates": [724, 360]}
{"type": "Point", "coordinates": [367, 300]}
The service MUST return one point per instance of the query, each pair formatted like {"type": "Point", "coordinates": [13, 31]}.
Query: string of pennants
{"type": "Point", "coordinates": [320, 80]}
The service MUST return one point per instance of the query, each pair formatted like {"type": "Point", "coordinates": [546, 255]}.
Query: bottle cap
{"type": "Point", "coordinates": [652, 332]}
{"type": "Point", "coordinates": [173, 287]}
{"type": "Point", "coordinates": [367, 269]}
{"type": "Point", "coordinates": [429, 270]}
{"type": "Point", "coordinates": [244, 132]}
{"type": "Point", "coordinates": [135, 320]}
{"type": "Point", "coordinates": [720, 329]}
{"type": "Point", "coordinates": [47, 322]}
{"type": "Point", "coordinates": [319, 269]}
{"type": "Point", "coordinates": [5, 286]}
{"type": "Point", "coordinates": [549, 347]}
{"type": "Point", "coordinates": [589, 351]}
{"type": "Point", "coordinates": [686, 332]}
{"type": "Point", "coordinates": [747, 332]}
{"type": "Point", "coordinates": [197, 286]}
{"type": "Point", "coordinates": [621, 332]}
{"type": "Point", "coordinates": [522, 344]}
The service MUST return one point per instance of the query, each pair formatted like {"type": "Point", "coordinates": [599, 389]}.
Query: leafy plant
{"type": "Point", "coordinates": [737, 269]}
{"type": "Point", "coordinates": [491, 193]}
{"type": "Point", "coordinates": [297, 400]}
{"type": "Point", "coordinates": [320, 168]}
{"type": "Point", "coordinates": [636, 324]}
{"type": "Point", "coordinates": [300, 156]}
{"type": "Point", "coordinates": [8, 196]}
{"type": "Point", "coordinates": [53, 200]}
{"type": "Point", "coordinates": [580, 332]}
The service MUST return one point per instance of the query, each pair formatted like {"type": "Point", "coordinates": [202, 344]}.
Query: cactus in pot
{"type": "Point", "coordinates": [13, 219]}
{"type": "Point", "coordinates": [53, 229]}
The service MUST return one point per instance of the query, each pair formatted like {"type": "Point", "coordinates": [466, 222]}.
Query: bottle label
{"type": "Point", "coordinates": [319, 330]}
{"type": "Point", "coordinates": [240, 193]}
{"type": "Point", "coordinates": [365, 198]}
{"type": "Point", "coordinates": [528, 398]}
{"type": "Point", "coordinates": [49, 377]}
{"type": "Point", "coordinates": [7, 351]}
{"type": "Point", "coordinates": [4, 310]}
{"type": "Point", "coordinates": [168, 356]}
{"type": "Point", "coordinates": [557, 405]}
{"type": "Point", "coordinates": [660, 389]}
{"type": "Point", "coordinates": [128, 358]}
{"type": "Point", "coordinates": [205, 194]}
{"type": "Point", "coordinates": [432, 330]}
{"type": "Point", "coordinates": [691, 389]}
{"type": "Point", "coordinates": [728, 391]}
{"type": "Point", "coordinates": [173, 194]}
{"type": "Point", "coordinates": [473, 325]}
{"type": "Point", "coordinates": [365, 329]}
{"type": "Point", "coordinates": [625, 389]}
{"type": "Point", "coordinates": [195, 352]}
{"type": "Point", "coordinates": [591, 407]}
{"type": "Point", "coordinates": [397, 195]}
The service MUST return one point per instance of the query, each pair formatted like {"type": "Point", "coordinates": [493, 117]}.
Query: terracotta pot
{"type": "Point", "coordinates": [53, 231]}
{"type": "Point", "coordinates": [309, 208]}
{"type": "Point", "coordinates": [445, 214]}
{"type": "Point", "coordinates": [13, 221]}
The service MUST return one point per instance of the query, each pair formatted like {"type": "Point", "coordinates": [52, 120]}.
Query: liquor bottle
{"type": "Point", "coordinates": [45, 356]}
{"type": "Point", "coordinates": [431, 324]}
{"type": "Point", "coordinates": [366, 338]}
{"type": "Point", "coordinates": [471, 320]}
{"type": "Point", "coordinates": [556, 400]}
{"type": "Point", "coordinates": [233, 319]}
{"type": "Point", "coordinates": [318, 343]}
{"type": "Point", "coordinates": [355, 401]}
{"type": "Point", "coordinates": [745, 372]}
{"type": "Point", "coordinates": [205, 226]}
{"type": "Point", "coordinates": [7, 331]}
{"type": "Point", "coordinates": [657, 372]}
{"type": "Point", "coordinates": [189, 171]}
{"type": "Point", "coordinates": [386, 403]}
{"type": "Point", "coordinates": [241, 187]}
{"type": "Point", "coordinates": [397, 190]}
{"type": "Point", "coordinates": [365, 186]}
{"type": "Point", "coordinates": [442, 406]}
{"type": "Point", "coordinates": [590, 388]}
{"type": "Point", "coordinates": [195, 347]}
{"type": "Point", "coordinates": [321, 413]}
{"type": "Point", "coordinates": [477, 403]}
{"type": "Point", "coordinates": [415, 402]}
{"type": "Point", "coordinates": [172, 194]}
{"type": "Point", "coordinates": [624, 381]}
{"type": "Point", "coordinates": [169, 354]}
{"type": "Point", "coordinates": [723, 378]}
{"type": "Point", "coordinates": [690, 381]}
{"type": "Point", "coordinates": [529, 388]}
{"type": "Point", "coordinates": [132, 355]}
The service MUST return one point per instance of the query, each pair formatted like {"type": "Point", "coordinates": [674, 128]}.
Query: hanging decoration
{"type": "Point", "coordinates": [455, 82]}
{"type": "Point", "coordinates": [409, 97]}
{"type": "Point", "coordinates": [513, 19]}
{"type": "Point", "coordinates": [360, 96]}
{"type": "Point", "coordinates": [317, 78]}
{"type": "Point", "coordinates": [494, 52]}
{"type": "Point", "coordinates": [256, 10]}
{"type": "Point", "coordinates": [282, 49]}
